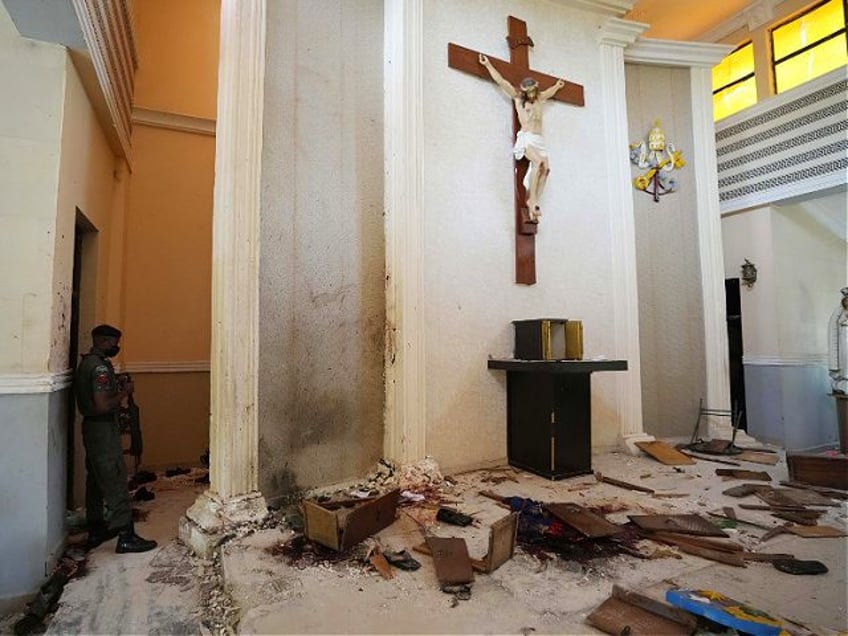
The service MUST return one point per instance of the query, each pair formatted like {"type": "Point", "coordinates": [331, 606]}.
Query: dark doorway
{"type": "Point", "coordinates": [734, 346]}
{"type": "Point", "coordinates": [83, 231]}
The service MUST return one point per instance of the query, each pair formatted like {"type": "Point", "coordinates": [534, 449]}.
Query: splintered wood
{"type": "Point", "coordinates": [584, 521]}
{"type": "Point", "coordinates": [627, 612]}
{"type": "Point", "coordinates": [664, 453]}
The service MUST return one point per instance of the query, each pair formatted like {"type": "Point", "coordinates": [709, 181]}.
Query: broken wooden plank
{"type": "Point", "coordinates": [476, 564]}
{"type": "Point", "coordinates": [827, 492]}
{"type": "Point", "coordinates": [584, 521]}
{"type": "Point", "coordinates": [737, 519]}
{"type": "Point", "coordinates": [665, 453]}
{"type": "Point", "coordinates": [721, 556]}
{"type": "Point", "coordinates": [655, 606]}
{"type": "Point", "coordinates": [737, 473]}
{"type": "Point", "coordinates": [623, 484]}
{"type": "Point", "coordinates": [724, 545]}
{"type": "Point", "coordinates": [615, 616]}
{"type": "Point", "coordinates": [501, 542]}
{"type": "Point", "coordinates": [377, 559]}
{"type": "Point", "coordinates": [451, 560]}
{"type": "Point", "coordinates": [757, 458]}
{"type": "Point", "coordinates": [816, 532]}
{"type": "Point", "coordinates": [765, 556]}
{"type": "Point", "coordinates": [684, 523]}
{"type": "Point", "coordinates": [743, 490]}
{"type": "Point", "coordinates": [795, 517]}
{"type": "Point", "coordinates": [689, 453]}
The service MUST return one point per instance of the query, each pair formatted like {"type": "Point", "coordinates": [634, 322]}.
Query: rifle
{"type": "Point", "coordinates": [131, 423]}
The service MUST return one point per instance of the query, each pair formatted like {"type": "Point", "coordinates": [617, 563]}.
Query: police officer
{"type": "Point", "coordinates": [99, 394]}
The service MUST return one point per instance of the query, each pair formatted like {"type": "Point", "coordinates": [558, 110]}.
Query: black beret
{"type": "Point", "coordinates": [106, 330]}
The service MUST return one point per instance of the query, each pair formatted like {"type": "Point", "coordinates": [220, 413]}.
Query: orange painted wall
{"type": "Point", "coordinates": [168, 245]}
{"type": "Point", "coordinates": [176, 41]}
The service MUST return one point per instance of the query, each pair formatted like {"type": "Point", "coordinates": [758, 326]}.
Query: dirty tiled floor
{"type": "Point", "coordinates": [165, 591]}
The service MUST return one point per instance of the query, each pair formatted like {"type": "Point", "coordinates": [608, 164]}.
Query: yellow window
{"type": "Point", "coordinates": [734, 85]}
{"type": "Point", "coordinates": [810, 45]}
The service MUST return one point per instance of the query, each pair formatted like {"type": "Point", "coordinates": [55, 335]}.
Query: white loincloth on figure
{"type": "Point", "coordinates": [522, 140]}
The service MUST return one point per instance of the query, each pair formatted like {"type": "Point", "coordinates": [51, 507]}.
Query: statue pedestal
{"type": "Point", "coordinates": [842, 420]}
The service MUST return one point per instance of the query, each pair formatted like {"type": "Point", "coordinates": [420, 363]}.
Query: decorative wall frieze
{"type": "Point", "coordinates": [754, 16]}
{"type": "Point", "coordinates": [108, 33]}
{"type": "Point", "coordinates": [173, 121]}
{"type": "Point", "coordinates": [28, 383]}
{"type": "Point", "coordinates": [786, 146]}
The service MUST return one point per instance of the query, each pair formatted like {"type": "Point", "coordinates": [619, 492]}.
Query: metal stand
{"type": "Point", "coordinates": [718, 446]}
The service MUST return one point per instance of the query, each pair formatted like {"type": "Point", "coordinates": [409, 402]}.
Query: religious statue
{"type": "Point", "coordinates": [661, 159]}
{"type": "Point", "coordinates": [528, 101]}
{"type": "Point", "coordinates": [837, 340]}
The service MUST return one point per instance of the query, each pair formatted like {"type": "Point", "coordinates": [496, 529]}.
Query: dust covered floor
{"type": "Point", "coordinates": [258, 587]}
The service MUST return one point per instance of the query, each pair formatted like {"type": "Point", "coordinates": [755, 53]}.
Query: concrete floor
{"type": "Point", "coordinates": [168, 591]}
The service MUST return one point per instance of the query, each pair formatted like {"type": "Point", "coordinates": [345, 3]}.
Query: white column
{"type": "Point", "coordinates": [617, 34]}
{"type": "Point", "coordinates": [712, 254]}
{"type": "Point", "coordinates": [233, 497]}
{"type": "Point", "coordinates": [405, 422]}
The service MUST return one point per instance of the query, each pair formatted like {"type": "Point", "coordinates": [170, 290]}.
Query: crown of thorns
{"type": "Point", "coordinates": [528, 84]}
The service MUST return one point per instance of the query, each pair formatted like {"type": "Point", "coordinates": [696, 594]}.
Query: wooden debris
{"type": "Point", "coordinates": [738, 520]}
{"type": "Point", "coordinates": [665, 453]}
{"type": "Point", "coordinates": [627, 612]}
{"type": "Point", "coordinates": [827, 492]}
{"type": "Point", "coordinates": [623, 484]}
{"type": "Point", "coordinates": [743, 490]}
{"type": "Point", "coordinates": [758, 458]}
{"type": "Point", "coordinates": [685, 523]}
{"type": "Point", "coordinates": [743, 474]}
{"type": "Point", "coordinates": [379, 562]}
{"type": "Point", "coordinates": [796, 517]}
{"type": "Point", "coordinates": [584, 521]}
{"type": "Point", "coordinates": [765, 556]}
{"type": "Point", "coordinates": [783, 529]}
{"type": "Point", "coordinates": [501, 542]}
{"type": "Point", "coordinates": [723, 545]}
{"type": "Point", "coordinates": [670, 495]}
{"type": "Point", "coordinates": [451, 560]}
{"type": "Point", "coordinates": [709, 459]}
{"type": "Point", "coordinates": [816, 532]}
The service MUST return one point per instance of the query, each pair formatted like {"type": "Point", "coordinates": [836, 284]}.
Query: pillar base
{"type": "Point", "coordinates": [210, 519]}
{"type": "Point", "coordinates": [628, 442]}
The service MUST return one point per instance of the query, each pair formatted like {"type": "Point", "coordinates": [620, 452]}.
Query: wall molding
{"type": "Point", "coordinates": [615, 8]}
{"type": "Point", "coordinates": [798, 360]}
{"type": "Point", "coordinates": [173, 121]}
{"type": "Point", "coordinates": [677, 54]}
{"type": "Point", "coordinates": [29, 383]}
{"type": "Point", "coordinates": [162, 366]}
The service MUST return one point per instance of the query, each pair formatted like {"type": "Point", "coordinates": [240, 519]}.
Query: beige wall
{"type": "Point", "coordinates": [32, 76]}
{"type": "Point", "coordinates": [671, 325]}
{"type": "Point", "coordinates": [168, 250]}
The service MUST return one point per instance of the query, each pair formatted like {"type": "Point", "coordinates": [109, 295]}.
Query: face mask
{"type": "Point", "coordinates": [112, 352]}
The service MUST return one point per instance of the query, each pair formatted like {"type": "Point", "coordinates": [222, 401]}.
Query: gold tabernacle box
{"type": "Point", "coordinates": [548, 339]}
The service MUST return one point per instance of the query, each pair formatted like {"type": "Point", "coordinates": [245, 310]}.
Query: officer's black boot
{"type": "Point", "coordinates": [98, 532]}
{"type": "Point", "coordinates": [129, 541]}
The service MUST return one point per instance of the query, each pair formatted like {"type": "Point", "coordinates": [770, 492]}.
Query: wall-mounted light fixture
{"type": "Point", "coordinates": [749, 273]}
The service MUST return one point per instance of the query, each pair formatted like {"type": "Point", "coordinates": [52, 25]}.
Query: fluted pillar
{"type": "Point", "coordinates": [614, 37]}
{"type": "Point", "coordinates": [233, 496]}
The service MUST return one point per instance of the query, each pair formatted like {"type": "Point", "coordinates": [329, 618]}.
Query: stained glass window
{"type": "Point", "coordinates": [809, 45]}
{"type": "Point", "coordinates": [734, 84]}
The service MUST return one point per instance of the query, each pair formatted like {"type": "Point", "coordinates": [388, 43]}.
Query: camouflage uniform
{"type": "Point", "coordinates": [106, 472]}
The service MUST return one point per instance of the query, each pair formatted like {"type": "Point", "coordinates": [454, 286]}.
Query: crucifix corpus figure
{"type": "Point", "coordinates": [528, 101]}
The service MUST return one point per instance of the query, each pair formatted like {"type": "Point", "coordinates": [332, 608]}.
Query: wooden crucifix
{"type": "Point", "coordinates": [514, 71]}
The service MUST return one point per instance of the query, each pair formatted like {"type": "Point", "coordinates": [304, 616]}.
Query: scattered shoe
{"type": "Point", "coordinates": [453, 517]}
{"type": "Point", "coordinates": [402, 560]}
{"type": "Point", "coordinates": [143, 494]}
{"type": "Point", "coordinates": [796, 566]}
